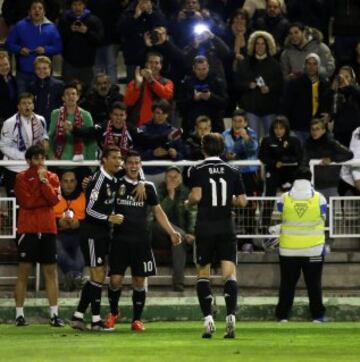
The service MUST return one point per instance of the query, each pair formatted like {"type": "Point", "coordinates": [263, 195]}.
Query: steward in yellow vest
{"type": "Point", "coordinates": [302, 224]}
{"type": "Point", "coordinates": [301, 249]}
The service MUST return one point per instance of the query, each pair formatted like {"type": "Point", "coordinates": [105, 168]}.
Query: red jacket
{"type": "Point", "coordinates": [159, 89]}
{"type": "Point", "coordinates": [36, 200]}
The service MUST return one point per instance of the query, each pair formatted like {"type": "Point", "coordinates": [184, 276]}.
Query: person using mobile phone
{"type": "Point", "coordinates": [32, 36]}
{"type": "Point", "coordinates": [81, 32]}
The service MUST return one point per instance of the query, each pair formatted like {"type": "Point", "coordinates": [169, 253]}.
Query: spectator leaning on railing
{"type": "Point", "coordinates": [321, 145]}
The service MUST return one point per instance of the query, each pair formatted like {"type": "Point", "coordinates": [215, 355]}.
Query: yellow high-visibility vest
{"type": "Point", "coordinates": [302, 225]}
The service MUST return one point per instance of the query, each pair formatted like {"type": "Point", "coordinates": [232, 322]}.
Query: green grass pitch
{"type": "Point", "coordinates": [181, 341]}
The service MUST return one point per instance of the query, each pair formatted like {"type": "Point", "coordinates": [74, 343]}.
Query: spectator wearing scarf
{"type": "Point", "coordinates": [19, 132]}
{"type": "Point", "coordinates": [117, 132]}
{"type": "Point", "coordinates": [64, 145]}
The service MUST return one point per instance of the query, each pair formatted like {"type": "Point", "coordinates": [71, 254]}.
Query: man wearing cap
{"type": "Point", "coordinates": [301, 245]}
{"type": "Point", "coordinates": [307, 97]}
{"type": "Point", "coordinates": [172, 194]}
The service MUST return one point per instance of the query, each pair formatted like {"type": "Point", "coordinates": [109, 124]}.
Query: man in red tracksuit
{"type": "Point", "coordinates": [37, 191]}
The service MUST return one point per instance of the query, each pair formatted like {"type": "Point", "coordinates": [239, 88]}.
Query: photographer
{"type": "Point", "coordinates": [189, 16]}
{"type": "Point", "coordinates": [158, 40]}
{"type": "Point", "coordinates": [140, 17]}
{"type": "Point", "coordinates": [81, 33]}
{"type": "Point", "coordinates": [202, 93]}
{"type": "Point", "coordinates": [259, 81]}
{"type": "Point", "coordinates": [345, 104]}
{"type": "Point", "coordinates": [206, 43]}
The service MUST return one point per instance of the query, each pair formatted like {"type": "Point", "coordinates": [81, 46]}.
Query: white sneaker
{"type": "Point", "coordinates": [230, 326]}
{"type": "Point", "coordinates": [283, 321]}
{"type": "Point", "coordinates": [209, 327]}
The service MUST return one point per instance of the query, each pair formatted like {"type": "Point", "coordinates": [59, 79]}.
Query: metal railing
{"type": "Point", "coordinates": [249, 222]}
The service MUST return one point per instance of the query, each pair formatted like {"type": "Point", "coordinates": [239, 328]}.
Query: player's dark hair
{"type": "Point", "coordinates": [107, 150]}
{"type": "Point", "coordinates": [213, 144]}
{"type": "Point", "coordinates": [132, 153]}
{"type": "Point", "coordinates": [34, 150]}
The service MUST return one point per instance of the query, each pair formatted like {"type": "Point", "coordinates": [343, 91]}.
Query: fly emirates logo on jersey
{"type": "Point", "coordinates": [130, 201]}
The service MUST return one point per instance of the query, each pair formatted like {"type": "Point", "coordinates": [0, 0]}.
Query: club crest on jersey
{"type": "Point", "coordinates": [94, 195]}
{"type": "Point", "coordinates": [122, 190]}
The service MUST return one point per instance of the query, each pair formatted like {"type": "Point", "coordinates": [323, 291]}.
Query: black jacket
{"type": "Point", "coordinates": [108, 11]}
{"type": "Point", "coordinates": [326, 147]}
{"type": "Point", "coordinates": [213, 108]}
{"type": "Point", "coordinates": [79, 49]}
{"type": "Point", "coordinates": [193, 148]}
{"type": "Point", "coordinates": [298, 102]}
{"type": "Point", "coordinates": [131, 32]}
{"type": "Point", "coordinates": [347, 112]}
{"type": "Point", "coordinates": [136, 137]}
{"type": "Point", "coordinates": [252, 100]}
{"type": "Point", "coordinates": [99, 106]}
{"type": "Point", "coordinates": [286, 150]}
{"type": "Point", "coordinates": [47, 96]}
{"type": "Point", "coordinates": [8, 100]}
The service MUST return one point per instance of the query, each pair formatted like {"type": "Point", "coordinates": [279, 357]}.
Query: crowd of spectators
{"type": "Point", "coordinates": [290, 88]}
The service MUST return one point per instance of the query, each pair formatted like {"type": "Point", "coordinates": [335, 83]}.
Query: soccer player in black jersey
{"type": "Point", "coordinates": [95, 235]}
{"type": "Point", "coordinates": [131, 245]}
{"type": "Point", "coordinates": [215, 187]}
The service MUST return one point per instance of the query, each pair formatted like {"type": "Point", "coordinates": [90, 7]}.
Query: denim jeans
{"type": "Point", "coordinates": [70, 257]}
{"type": "Point", "coordinates": [106, 61]}
{"type": "Point", "coordinates": [260, 124]}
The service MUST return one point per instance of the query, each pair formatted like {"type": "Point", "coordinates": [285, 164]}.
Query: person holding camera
{"type": "Point", "coordinates": [345, 108]}
{"type": "Point", "coordinates": [191, 14]}
{"type": "Point", "coordinates": [32, 36]}
{"type": "Point", "coordinates": [259, 82]}
{"type": "Point", "coordinates": [158, 40]}
{"type": "Point", "coordinates": [81, 33]}
{"type": "Point", "coordinates": [140, 17]}
{"type": "Point", "coordinates": [202, 93]}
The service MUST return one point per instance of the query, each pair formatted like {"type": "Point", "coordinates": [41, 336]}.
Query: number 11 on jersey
{"type": "Point", "coordinates": [214, 194]}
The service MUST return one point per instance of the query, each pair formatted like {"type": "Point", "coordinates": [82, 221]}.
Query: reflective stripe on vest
{"type": "Point", "coordinates": [302, 226]}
